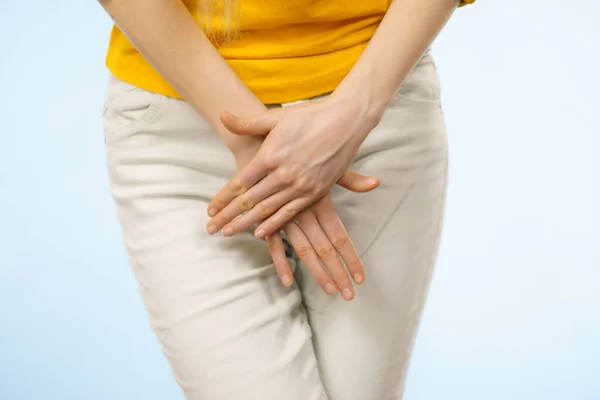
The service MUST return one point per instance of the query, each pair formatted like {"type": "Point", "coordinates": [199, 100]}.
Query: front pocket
{"type": "Point", "coordinates": [129, 108]}
{"type": "Point", "coordinates": [126, 106]}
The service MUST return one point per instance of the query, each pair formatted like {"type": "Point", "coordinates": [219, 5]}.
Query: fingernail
{"type": "Point", "coordinates": [373, 181]}
{"type": "Point", "coordinates": [212, 229]}
{"type": "Point", "coordinates": [286, 280]}
{"type": "Point", "coordinates": [347, 294]}
{"type": "Point", "coordinates": [212, 212]}
{"type": "Point", "coordinates": [329, 288]}
{"type": "Point", "coordinates": [358, 278]}
{"type": "Point", "coordinates": [260, 234]}
{"type": "Point", "coordinates": [227, 232]}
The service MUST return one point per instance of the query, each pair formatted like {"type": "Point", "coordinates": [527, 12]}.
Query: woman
{"type": "Point", "coordinates": [241, 118]}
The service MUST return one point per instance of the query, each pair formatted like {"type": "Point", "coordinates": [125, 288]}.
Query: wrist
{"type": "Point", "coordinates": [360, 103]}
{"type": "Point", "coordinates": [356, 105]}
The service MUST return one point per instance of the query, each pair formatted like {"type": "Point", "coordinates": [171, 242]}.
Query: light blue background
{"type": "Point", "coordinates": [514, 310]}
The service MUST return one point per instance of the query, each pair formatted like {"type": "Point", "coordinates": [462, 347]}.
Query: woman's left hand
{"type": "Point", "coordinates": [325, 248]}
{"type": "Point", "coordinates": [307, 149]}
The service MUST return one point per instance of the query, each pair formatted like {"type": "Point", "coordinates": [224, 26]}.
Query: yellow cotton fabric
{"type": "Point", "coordinates": [289, 49]}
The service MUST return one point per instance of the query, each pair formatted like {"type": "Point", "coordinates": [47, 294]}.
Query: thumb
{"type": "Point", "coordinates": [356, 182]}
{"type": "Point", "coordinates": [249, 125]}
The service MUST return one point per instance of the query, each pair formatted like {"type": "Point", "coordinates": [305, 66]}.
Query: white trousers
{"type": "Point", "coordinates": [229, 329]}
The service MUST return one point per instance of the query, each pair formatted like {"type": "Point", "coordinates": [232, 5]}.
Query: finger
{"type": "Point", "coordinates": [238, 185]}
{"type": "Point", "coordinates": [356, 182]}
{"type": "Point", "coordinates": [326, 252]}
{"type": "Point", "coordinates": [282, 216]}
{"type": "Point", "coordinates": [280, 261]}
{"type": "Point", "coordinates": [258, 213]}
{"type": "Point", "coordinates": [309, 257]}
{"type": "Point", "coordinates": [329, 220]}
{"type": "Point", "coordinates": [249, 125]}
{"type": "Point", "coordinates": [247, 201]}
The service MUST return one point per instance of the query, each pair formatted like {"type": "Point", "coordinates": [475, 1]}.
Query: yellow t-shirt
{"type": "Point", "coordinates": [289, 49]}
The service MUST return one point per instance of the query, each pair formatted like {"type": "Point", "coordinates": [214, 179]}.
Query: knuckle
{"type": "Point", "coordinates": [284, 177]}
{"type": "Point", "coordinates": [264, 210]}
{"type": "Point", "coordinates": [304, 250]}
{"type": "Point", "coordinates": [314, 191]}
{"type": "Point", "coordinates": [238, 189]}
{"type": "Point", "coordinates": [350, 176]}
{"type": "Point", "coordinates": [303, 183]}
{"type": "Point", "coordinates": [245, 202]}
{"type": "Point", "coordinates": [325, 251]}
{"type": "Point", "coordinates": [268, 162]}
{"type": "Point", "coordinates": [216, 204]}
{"type": "Point", "coordinates": [290, 213]}
{"type": "Point", "coordinates": [246, 122]}
{"type": "Point", "coordinates": [341, 241]}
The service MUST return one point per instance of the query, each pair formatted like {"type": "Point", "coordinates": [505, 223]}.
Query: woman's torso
{"type": "Point", "coordinates": [288, 50]}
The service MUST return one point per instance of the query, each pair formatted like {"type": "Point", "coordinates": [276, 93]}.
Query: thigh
{"type": "Point", "coordinates": [228, 327]}
{"type": "Point", "coordinates": [363, 347]}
